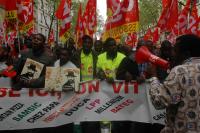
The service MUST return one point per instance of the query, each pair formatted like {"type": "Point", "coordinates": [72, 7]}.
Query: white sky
{"type": "Point", "coordinates": [101, 6]}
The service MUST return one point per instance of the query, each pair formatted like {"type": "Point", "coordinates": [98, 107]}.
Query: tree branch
{"type": "Point", "coordinates": [44, 16]}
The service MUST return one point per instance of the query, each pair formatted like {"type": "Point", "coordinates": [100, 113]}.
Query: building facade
{"type": "Point", "coordinates": [43, 11]}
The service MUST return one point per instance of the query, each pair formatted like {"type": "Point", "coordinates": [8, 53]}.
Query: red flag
{"type": "Point", "coordinates": [121, 13]}
{"type": "Point", "coordinates": [155, 35]}
{"type": "Point", "coordinates": [63, 13]}
{"type": "Point", "coordinates": [172, 37]}
{"type": "Point", "coordinates": [193, 19]}
{"type": "Point", "coordinates": [25, 10]}
{"type": "Point", "coordinates": [121, 16]}
{"type": "Point", "coordinates": [89, 19]}
{"type": "Point", "coordinates": [10, 16]}
{"type": "Point", "coordinates": [11, 9]}
{"type": "Point", "coordinates": [25, 15]}
{"type": "Point", "coordinates": [60, 10]}
{"type": "Point", "coordinates": [79, 26]}
{"type": "Point", "coordinates": [130, 11]}
{"type": "Point", "coordinates": [10, 37]}
{"type": "Point", "coordinates": [169, 15]}
{"type": "Point", "coordinates": [79, 18]}
{"type": "Point", "coordinates": [131, 39]}
{"type": "Point", "coordinates": [148, 35]}
{"type": "Point", "coordinates": [182, 23]}
{"type": "Point", "coordinates": [10, 5]}
{"type": "Point", "coordinates": [164, 3]}
{"type": "Point", "coordinates": [2, 3]}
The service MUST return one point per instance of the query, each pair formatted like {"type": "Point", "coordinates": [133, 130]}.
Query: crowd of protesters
{"type": "Point", "coordinates": [111, 61]}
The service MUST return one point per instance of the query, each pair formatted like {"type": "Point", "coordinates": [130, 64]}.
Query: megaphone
{"type": "Point", "coordinates": [144, 55]}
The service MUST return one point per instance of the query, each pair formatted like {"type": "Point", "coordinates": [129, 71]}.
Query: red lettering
{"type": "Point", "coordinates": [113, 110]}
{"type": "Point", "coordinates": [117, 88]}
{"type": "Point", "coordinates": [129, 101]}
{"type": "Point", "coordinates": [126, 87]}
{"type": "Point", "coordinates": [125, 103]}
{"type": "Point", "coordinates": [135, 84]}
{"type": "Point", "coordinates": [30, 93]}
{"type": "Point", "coordinates": [122, 105]}
{"type": "Point", "coordinates": [94, 87]}
{"type": "Point", "coordinates": [119, 107]}
{"type": "Point", "coordinates": [97, 101]}
{"type": "Point", "coordinates": [13, 93]}
{"type": "Point", "coordinates": [10, 92]}
{"type": "Point", "coordinates": [41, 93]}
{"type": "Point", "coordinates": [136, 88]}
{"type": "Point", "coordinates": [3, 92]}
{"type": "Point", "coordinates": [93, 104]}
{"type": "Point", "coordinates": [82, 89]}
{"type": "Point", "coordinates": [89, 108]}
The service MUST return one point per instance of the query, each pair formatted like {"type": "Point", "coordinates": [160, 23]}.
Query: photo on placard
{"type": "Point", "coordinates": [62, 79]}
{"type": "Point", "coordinates": [70, 78]}
{"type": "Point", "coordinates": [52, 79]}
{"type": "Point", "coordinates": [31, 70]}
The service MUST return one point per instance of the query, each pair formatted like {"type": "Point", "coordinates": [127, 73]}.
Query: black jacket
{"type": "Point", "coordinates": [45, 57]}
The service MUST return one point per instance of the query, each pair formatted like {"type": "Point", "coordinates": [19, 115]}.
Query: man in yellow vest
{"type": "Point", "coordinates": [85, 59]}
{"type": "Point", "coordinates": [109, 61]}
{"type": "Point", "coordinates": [107, 66]}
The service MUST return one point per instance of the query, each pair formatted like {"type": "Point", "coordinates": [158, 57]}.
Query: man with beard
{"type": "Point", "coordinates": [109, 61]}
{"type": "Point", "coordinates": [86, 59]}
{"type": "Point", "coordinates": [38, 53]}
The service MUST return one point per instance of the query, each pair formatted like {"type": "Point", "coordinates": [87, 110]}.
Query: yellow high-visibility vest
{"type": "Point", "coordinates": [109, 66]}
{"type": "Point", "coordinates": [87, 66]}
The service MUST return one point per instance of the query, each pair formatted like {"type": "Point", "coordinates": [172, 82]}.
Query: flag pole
{"type": "Point", "coordinates": [189, 14]}
{"type": "Point", "coordinates": [18, 31]}
{"type": "Point", "coordinates": [18, 34]}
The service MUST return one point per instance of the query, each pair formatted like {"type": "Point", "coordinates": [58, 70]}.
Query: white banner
{"type": "Point", "coordinates": [97, 101]}
{"type": "Point", "coordinates": [157, 116]}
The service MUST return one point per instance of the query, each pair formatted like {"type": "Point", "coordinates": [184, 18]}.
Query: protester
{"type": "Point", "coordinates": [98, 47]}
{"type": "Point", "coordinates": [85, 59]}
{"type": "Point", "coordinates": [38, 53]}
{"type": "Point", "coordinates": [28, 41]}
{"type": "Point", "coordinates": [109, 61]}
{"type": "Point", "coordinates": [128, 68]}
{"type": "Point", "coordinates": [166, 53]}
{"type": "Point", "coordinates": [71, 46]}
{"type": "Point", "coordinates": [107, 66]}
{"type": "Point", "coordinates": [64, 58]}
{"type": "Point", "coordinates": [181, 87]}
